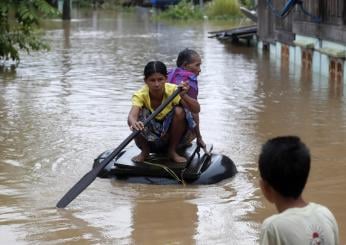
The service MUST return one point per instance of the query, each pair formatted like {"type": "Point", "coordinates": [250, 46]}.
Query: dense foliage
{"type": "Point", "coordinates": [184, 10]}
{"type": "Point", "coordinates": [19, 26]}
{"type": "Point", "coordinates": [223, 9]}
{"type": "Point", "coordinates": [215, 9]}
{"type": "Point", "coordinates": [248, 3]}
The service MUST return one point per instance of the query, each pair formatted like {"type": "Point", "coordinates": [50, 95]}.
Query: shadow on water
{"type": "Point", "coordinates": [8, 73]}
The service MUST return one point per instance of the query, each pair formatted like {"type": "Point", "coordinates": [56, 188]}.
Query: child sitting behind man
{"type": "Point", "coordinates": [188, 68]}
{"type": "Point", "coordinates": [284, 166]}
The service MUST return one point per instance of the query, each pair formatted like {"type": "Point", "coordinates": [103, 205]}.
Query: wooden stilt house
{"type": "Point", "coordinates": [309, 32]}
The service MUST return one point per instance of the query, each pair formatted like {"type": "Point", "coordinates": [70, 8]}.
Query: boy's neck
{"type": "Point", "coordinates": [283, 203]}
{"type": "Point", "coordinates": [158, 97]}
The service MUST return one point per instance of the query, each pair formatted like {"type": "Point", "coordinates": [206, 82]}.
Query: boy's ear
{"type": "Point", "coordinates": [266, 190]}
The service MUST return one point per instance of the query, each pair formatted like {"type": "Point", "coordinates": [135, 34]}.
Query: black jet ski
{"type": "Point", "coordinates": [201, 168]}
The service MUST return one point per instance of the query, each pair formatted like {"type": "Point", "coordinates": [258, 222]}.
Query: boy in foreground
{"type": "Point", "coordinates": [284, 166]}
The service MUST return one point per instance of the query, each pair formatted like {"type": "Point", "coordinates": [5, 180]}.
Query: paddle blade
{"type": "Point", "coordinates": [83, 183]}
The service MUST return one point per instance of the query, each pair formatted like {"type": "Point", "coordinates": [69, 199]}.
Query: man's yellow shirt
{"type": "Point", "coordinates": [141, 99]}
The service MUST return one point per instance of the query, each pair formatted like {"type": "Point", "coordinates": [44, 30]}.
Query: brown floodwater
{"type": "Point", "coordinates": [62, 108]}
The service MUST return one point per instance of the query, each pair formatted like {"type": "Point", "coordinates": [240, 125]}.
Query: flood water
{"type": "Point", "coordinates": [62, 108]}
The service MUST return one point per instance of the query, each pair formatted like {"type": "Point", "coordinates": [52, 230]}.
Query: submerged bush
{"type": "Point", "coordinates": [184, 10]}
{"type": "Point", "coordinates": [216, 9]}
{"type": "Point", "coordinates": [248, 3]}
{"type": "Point", "coordinates": [20, 23]}
{"type": "Point", "coordinates": [223, 9]}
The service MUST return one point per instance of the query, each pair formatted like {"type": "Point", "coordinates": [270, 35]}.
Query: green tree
{"type": "Point", "coordinates": [20, 26]}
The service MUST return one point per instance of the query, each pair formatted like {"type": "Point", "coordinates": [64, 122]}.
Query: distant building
{"type": "Point", "coordinates": [310, 33]}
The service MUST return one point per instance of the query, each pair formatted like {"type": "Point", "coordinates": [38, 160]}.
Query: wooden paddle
{"type": "Point", "coordinates": [88, 178]}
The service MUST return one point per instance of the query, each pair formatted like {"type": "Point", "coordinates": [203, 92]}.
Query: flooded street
{"type": "Point", "coordinates": [62, 108]}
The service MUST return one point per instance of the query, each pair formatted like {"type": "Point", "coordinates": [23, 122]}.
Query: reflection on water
{"type": "Point", "coordinates": [62, 108]}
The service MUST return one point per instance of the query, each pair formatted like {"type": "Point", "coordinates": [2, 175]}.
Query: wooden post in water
{"type": "Point", "coordinates": [344, 12]}
{"type": "Point", "coordinates": [66, 10]}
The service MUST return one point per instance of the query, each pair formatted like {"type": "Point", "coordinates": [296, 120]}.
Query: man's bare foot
{"type": "Point", "coordinates": [140, 158]}
{"type": "Point", "coordinates": [176, 157]}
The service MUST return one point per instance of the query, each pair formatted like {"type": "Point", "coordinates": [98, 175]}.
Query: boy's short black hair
{"type": "Point", "coordinates": [155, 67]}
{"type": "Point", "coordinates": [284, 163]}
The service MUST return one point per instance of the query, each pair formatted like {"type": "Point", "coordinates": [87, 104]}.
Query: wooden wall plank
{"type": "Point", "coordinates": [332, 12]}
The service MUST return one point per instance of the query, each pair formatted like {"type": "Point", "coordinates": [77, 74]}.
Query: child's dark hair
{"type": "Point", "coordinates": [185, 57]}
{"type": "Point", "coordinates": [155, 67]}
{"type": "Point", "coordinates": [284, 163]}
